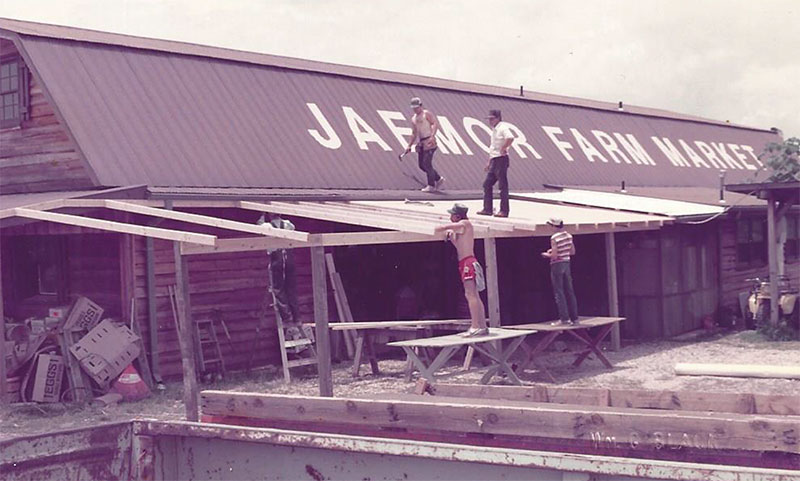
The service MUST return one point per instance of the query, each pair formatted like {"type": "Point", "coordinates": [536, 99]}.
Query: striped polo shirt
{"type": "Point", "coordinates": [563, 242]}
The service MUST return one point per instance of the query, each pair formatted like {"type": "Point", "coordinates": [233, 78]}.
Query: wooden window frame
{"type": "Point", "coordinates": [22, 92]}
{"type": "Point", "coordinates": [756, 250]}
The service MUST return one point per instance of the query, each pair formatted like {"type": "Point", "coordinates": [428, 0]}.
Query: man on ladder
{"type": "Point", "coordinates": [291, 335]}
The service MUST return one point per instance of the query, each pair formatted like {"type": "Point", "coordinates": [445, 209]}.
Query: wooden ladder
{"type": "Point", "coordinates": [207, 348]}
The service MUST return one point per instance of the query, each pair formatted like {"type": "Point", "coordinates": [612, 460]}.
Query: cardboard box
{"type": "Point", "coordinates": [49, 373]}
{"type": "Point", "coordinates": [11, 356]}
{"type": "Point", "coordinates": [59, 312]}
{"type": "Point", "coordinates": [106, 351]}
{"type": "Point", "coordinates": [37, 325]}
{"type": "Point", "coordinates": [84, 314]}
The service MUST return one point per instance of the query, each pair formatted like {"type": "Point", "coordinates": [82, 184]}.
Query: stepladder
{"type": "Point", "coordinates": [295, 340]}
{"type": "Point", "coordinates": [209, 355]}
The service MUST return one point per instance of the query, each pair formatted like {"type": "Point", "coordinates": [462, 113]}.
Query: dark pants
{"type": "Point", "coordinates": [426, 163]}
{"type": "Point", "coordinates": [282, 276]}
{"type": "Point", "coordinates": [561, 277]}
{"type": "Point", "coordinates": [498, 171]}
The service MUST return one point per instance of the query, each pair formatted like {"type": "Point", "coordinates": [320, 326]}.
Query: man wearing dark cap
{"type": "Point", "coordinates": [497, 167]}
{"type": "Point", "coordinates": [560, 252]}
{"type": "Point", "coordinates": [423, 129]}
{"type": "Point", "coordinates": [461, 234]}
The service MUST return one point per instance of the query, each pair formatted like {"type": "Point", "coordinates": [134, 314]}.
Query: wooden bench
{"type": "Point", "coordinates": [579, 331]}
{"type": "Point", "coordinates": [451, 344]}
{"type": "Point", "coordinates": [366, 330]}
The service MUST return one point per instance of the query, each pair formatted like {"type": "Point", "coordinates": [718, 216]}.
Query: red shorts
{"type": "Point", "coordinates": [470, 269]}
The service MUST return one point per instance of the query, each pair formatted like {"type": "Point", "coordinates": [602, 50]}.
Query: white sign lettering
{"type": "Point", "coordinates": [470, 124]}
{"type": "Point", "coordinates": [362, 132]}
{"type": "Point", "coordinates": [448, 139]}
{"type": "Point", "coordinates": [332, 141]}
{"type": "Point", "coordinates": [562, 145]}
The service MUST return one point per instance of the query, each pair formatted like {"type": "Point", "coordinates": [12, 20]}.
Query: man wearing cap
{"type": "Point", "coordinates": [423, 129]}
{"type": "Point", "coordinates": [460, 233]}
{"type": "Point", "coordinates": [561, 249]}
{"type": "Point", "coordinates": [497, 167]}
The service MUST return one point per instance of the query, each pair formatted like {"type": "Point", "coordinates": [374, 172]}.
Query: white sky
{"type": "Point", "coordinates": [736, 60]}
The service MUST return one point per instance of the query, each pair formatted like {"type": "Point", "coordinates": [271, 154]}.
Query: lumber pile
{"type": "Point", "coordinates": [588, 423]}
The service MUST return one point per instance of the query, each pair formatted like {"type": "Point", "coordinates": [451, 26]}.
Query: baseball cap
{"type": "Point", "coordinates": [458, 209]}
{"type": "Point", "coordinates": [495, 113]}
{"type": "Point", "coordinates": [556, 222]}
{"type": "Point", "coordinates": [416, 102]}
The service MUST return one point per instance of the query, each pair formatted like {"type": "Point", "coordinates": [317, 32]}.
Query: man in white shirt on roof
{"type": "Point", "coordinates": [497, 167]}
{"type": "Point", "coordinates": [423, 128]}
{"type": "Point", "coordinates": [561, 251]}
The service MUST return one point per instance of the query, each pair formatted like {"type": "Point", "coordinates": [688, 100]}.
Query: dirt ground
{"type": "Point", "coordinates": [641, 366]}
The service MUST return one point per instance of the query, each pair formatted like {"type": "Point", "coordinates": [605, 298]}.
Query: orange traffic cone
{"type": "Point", "coordinates": [130, 385]}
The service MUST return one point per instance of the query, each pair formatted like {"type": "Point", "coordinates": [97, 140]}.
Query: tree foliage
{"type": "Point", "coordinates": [783, 160]}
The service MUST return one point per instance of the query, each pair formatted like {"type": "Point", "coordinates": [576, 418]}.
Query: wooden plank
{"type": "Point", "coordinates": [342, 306]}
{"type": "Point", "coordinates": [320, 289]}
{"type": "Point", "coordinates": [495, 334]}
{"type": "Point", "coordinates": [185, 337]}
{"type": "Point", "coordinates": [358, 325]}
{"type": "Point", "coordinates": [772, 404]}
{"type": "Point", "coordinates": [565, 422]}
{"type": "Point", "coordinates": [613, 294]}
{"type": "Point", "coordinates": [332, 215]}
{"type": "Point", "coordinates": [738, 370]}
{"type": "Point", "coordinates": [265, 229]}
{"type": "Point", "coordinates": [106, 225]}
{"type": "Point", "coordinates": [584, 322]}
{"type": "Point", "coordinates": [152, 313]}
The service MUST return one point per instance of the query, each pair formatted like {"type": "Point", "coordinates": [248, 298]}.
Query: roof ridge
{"type": "Point", "coordinates": [61, 32]}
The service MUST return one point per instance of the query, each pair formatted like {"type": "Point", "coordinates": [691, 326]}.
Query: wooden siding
{"type": "Point", "coordinates": [733, 278]}
{"type": "Point", "coordinates": [39, 156]}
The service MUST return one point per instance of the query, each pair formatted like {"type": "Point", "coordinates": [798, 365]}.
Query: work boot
{"type": "Point", "coordinates": [484, 212]}
{"type": "Point", "coordinates": [501, 214]}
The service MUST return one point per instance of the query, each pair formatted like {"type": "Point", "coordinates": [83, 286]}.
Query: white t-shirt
{"type": "Point", "coordinates": [500, 133]}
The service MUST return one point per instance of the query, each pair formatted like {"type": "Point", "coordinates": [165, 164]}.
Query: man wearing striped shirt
{"type": "Point", "coordinates": [561, 249]}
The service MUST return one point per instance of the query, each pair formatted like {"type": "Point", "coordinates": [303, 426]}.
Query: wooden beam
{"type": "Point", "coordinates": [323, 343]}
{"type": "Point", "coordinates": [742, 403]}
{"type": "Point", "coordinates": [186, 336]}
{"type": "Point", "coordinates": [772, 256]}
{"type": "Point", "coordinates": [717, 431]}
{"type": "Point", "coordinates": [613, 293]}
{"type": "Point", "coordinates": [492, 282]}
{"type": "Point", "coordinates": [220, 223]}
{"type": "Point", "coordinates": [152, 312]}
{"type": "Point", "coordinates": [112, 226]}
{"type": "Point", "coordinates": [333, 215]}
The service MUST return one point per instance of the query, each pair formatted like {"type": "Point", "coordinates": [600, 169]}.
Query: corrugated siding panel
{"type": "Point", "coordinates": [146, 117]}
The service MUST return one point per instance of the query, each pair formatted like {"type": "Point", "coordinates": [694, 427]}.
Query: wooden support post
{"type": "Point", "coordinates": [320, 289]}
{"type": "Point", "coordinates": [185, 335]}
{"type": "Point", "coordinates": [492, 283]}
{"type": "Point", "coordinates": [613, 296]}
{"type": "Point", "coordinates": [772, 255]}
{"type": "Point", "coordinates": [152, 313]}
{"type": "Point", "coordinates": [3, 373]}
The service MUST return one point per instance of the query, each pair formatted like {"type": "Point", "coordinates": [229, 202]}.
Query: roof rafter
{"type": "Point", "coordinates": [113, 226]}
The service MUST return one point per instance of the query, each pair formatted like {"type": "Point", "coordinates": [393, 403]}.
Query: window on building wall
{"type": "Point", "coordinates": [751, 242]}
{"type": "Point", "coordinates": [39, 266]}
{"type": "Point", "coordinates": [792, 246]}
{"type": "Point", "coordinates": [14, 93]}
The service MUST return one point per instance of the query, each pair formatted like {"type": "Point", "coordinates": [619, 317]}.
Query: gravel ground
{"type": "Point", "coordinates": [640, 366]}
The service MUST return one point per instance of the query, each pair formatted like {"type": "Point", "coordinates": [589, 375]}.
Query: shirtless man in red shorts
{"type": "Point", "coordinates": [460, 234]}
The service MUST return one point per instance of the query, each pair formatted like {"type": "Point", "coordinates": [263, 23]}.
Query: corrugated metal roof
{"type": "Point", "coordinates": [532, 212]}
{"type": "Point", "coordinates": [699, 195]}
{"type": "Point", "coordinates": [166, 114]}
{"type": "Point", "coordinates": [11, 201]}
{"type": "Point", "coordinates": [627, 202]}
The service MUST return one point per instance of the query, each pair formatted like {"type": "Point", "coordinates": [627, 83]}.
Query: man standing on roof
{"type": "Point", "coordinates": [497, 167]}
{"type": "Point", "coordinates": [560, 252]}
{"type": "Point", "coordinates": [461, 234]}
{"type": "Point", "coordinates": [423, 130]}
